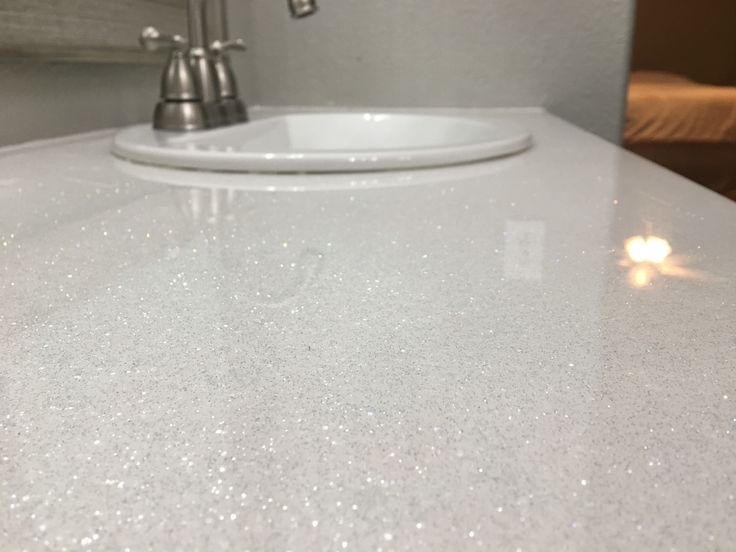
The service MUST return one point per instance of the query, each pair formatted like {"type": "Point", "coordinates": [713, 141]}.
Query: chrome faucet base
{"type": "Point", "coordinates": [233, 111]}
{"type": "Point", "coordinates": [206, 76]}
{"type": "Point", "coordinates": [179, 115]}
{"type": "Point", "coordinates": [213, 114]}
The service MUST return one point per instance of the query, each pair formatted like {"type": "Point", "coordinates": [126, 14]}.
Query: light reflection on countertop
{"type": "Point", "coordinates": [455, 359]}
{"type": "Point", "coordinates": [647, 257]}
{"type": "Point", "coordinates": [650, 257]}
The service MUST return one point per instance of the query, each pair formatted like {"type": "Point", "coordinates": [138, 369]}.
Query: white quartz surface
{"type": "Point", "coordinates": [452, 359]}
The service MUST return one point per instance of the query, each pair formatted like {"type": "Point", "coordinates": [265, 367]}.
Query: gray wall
{"type": "Point", "coordinates": [570, 56]}
{"type": "Point", "coordinates": [41, 100]}
{"type": "Point", "coordinates": [567, 55]}
{"type": "Point", "coordinates": [44, 95]}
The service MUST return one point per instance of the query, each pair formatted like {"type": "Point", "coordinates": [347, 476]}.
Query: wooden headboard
{"type": "Point", "coordinates": [694, 38]}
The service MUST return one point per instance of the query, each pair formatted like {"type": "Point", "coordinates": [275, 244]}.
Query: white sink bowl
{"type": "Point", "coordinates": [326, 142]}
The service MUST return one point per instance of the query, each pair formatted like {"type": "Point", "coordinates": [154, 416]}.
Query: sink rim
{"type": "Point", "coordinates": [354, 182]}
{"type": "Point", "coordinates": [143, 144]}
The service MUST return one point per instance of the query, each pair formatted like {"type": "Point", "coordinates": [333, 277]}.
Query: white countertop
{"type": "Point", "coordinates": [452, 359]}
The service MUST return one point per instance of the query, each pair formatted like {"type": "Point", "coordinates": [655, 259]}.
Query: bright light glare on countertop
{"type": "Point", "coordinates": [648, 250]}
{"type": "Point", "coordinates": [374, 118]}
{"type": "Point", "coordinates": [646, 255]}
{"type": "Point", "coordinates": [649, 257]}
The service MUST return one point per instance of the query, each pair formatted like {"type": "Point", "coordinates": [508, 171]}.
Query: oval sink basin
{"type": "Point", "coordinates": [329, 142]}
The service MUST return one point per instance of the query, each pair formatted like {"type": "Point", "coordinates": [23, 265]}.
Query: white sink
{"type": "Point", "coordinates": [327, 142]}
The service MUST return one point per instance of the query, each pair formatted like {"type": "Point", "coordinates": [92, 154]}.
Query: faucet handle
{"type": "Point", "coordinates": [152, 39]}
{"type": "Point", "coordinates": [220, 47]}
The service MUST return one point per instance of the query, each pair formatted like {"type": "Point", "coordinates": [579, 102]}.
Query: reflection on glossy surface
{"type": "Point", "coordinates": [645, 254]}
{"type": "Point", "coordinates": [524, 249]}
{"type": "Point", "coordinates": [648, 250]}
{"type": "Point", "coordinates": [651, 256]}
{"type": "Point", "coordinates": [274, 275]}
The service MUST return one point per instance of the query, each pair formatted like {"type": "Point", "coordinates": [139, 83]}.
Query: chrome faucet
{"type": "Point", "coordinates": [232, 108]}
{"type": "Point", "coordinates": [198, 87]}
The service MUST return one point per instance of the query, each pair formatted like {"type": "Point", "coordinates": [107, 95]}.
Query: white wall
{"type": "Point", "coordinates": [570, 56]}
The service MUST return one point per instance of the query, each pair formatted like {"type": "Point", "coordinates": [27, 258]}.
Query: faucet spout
{"type": "Point", "coordinates": [302, 8]}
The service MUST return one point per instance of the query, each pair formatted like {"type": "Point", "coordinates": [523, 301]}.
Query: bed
{"type": "Point", "coordinates": [686, 126]}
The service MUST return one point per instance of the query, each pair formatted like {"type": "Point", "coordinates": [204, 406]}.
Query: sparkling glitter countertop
{"type": "Point", "coordinates": [535, 353]}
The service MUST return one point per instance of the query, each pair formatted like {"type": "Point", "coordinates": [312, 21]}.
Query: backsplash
{"type": "Point", "coordinates": [569, 56]}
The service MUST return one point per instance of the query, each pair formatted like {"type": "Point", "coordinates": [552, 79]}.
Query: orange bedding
{"type": "Point", "coordinates": [666, 108]}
